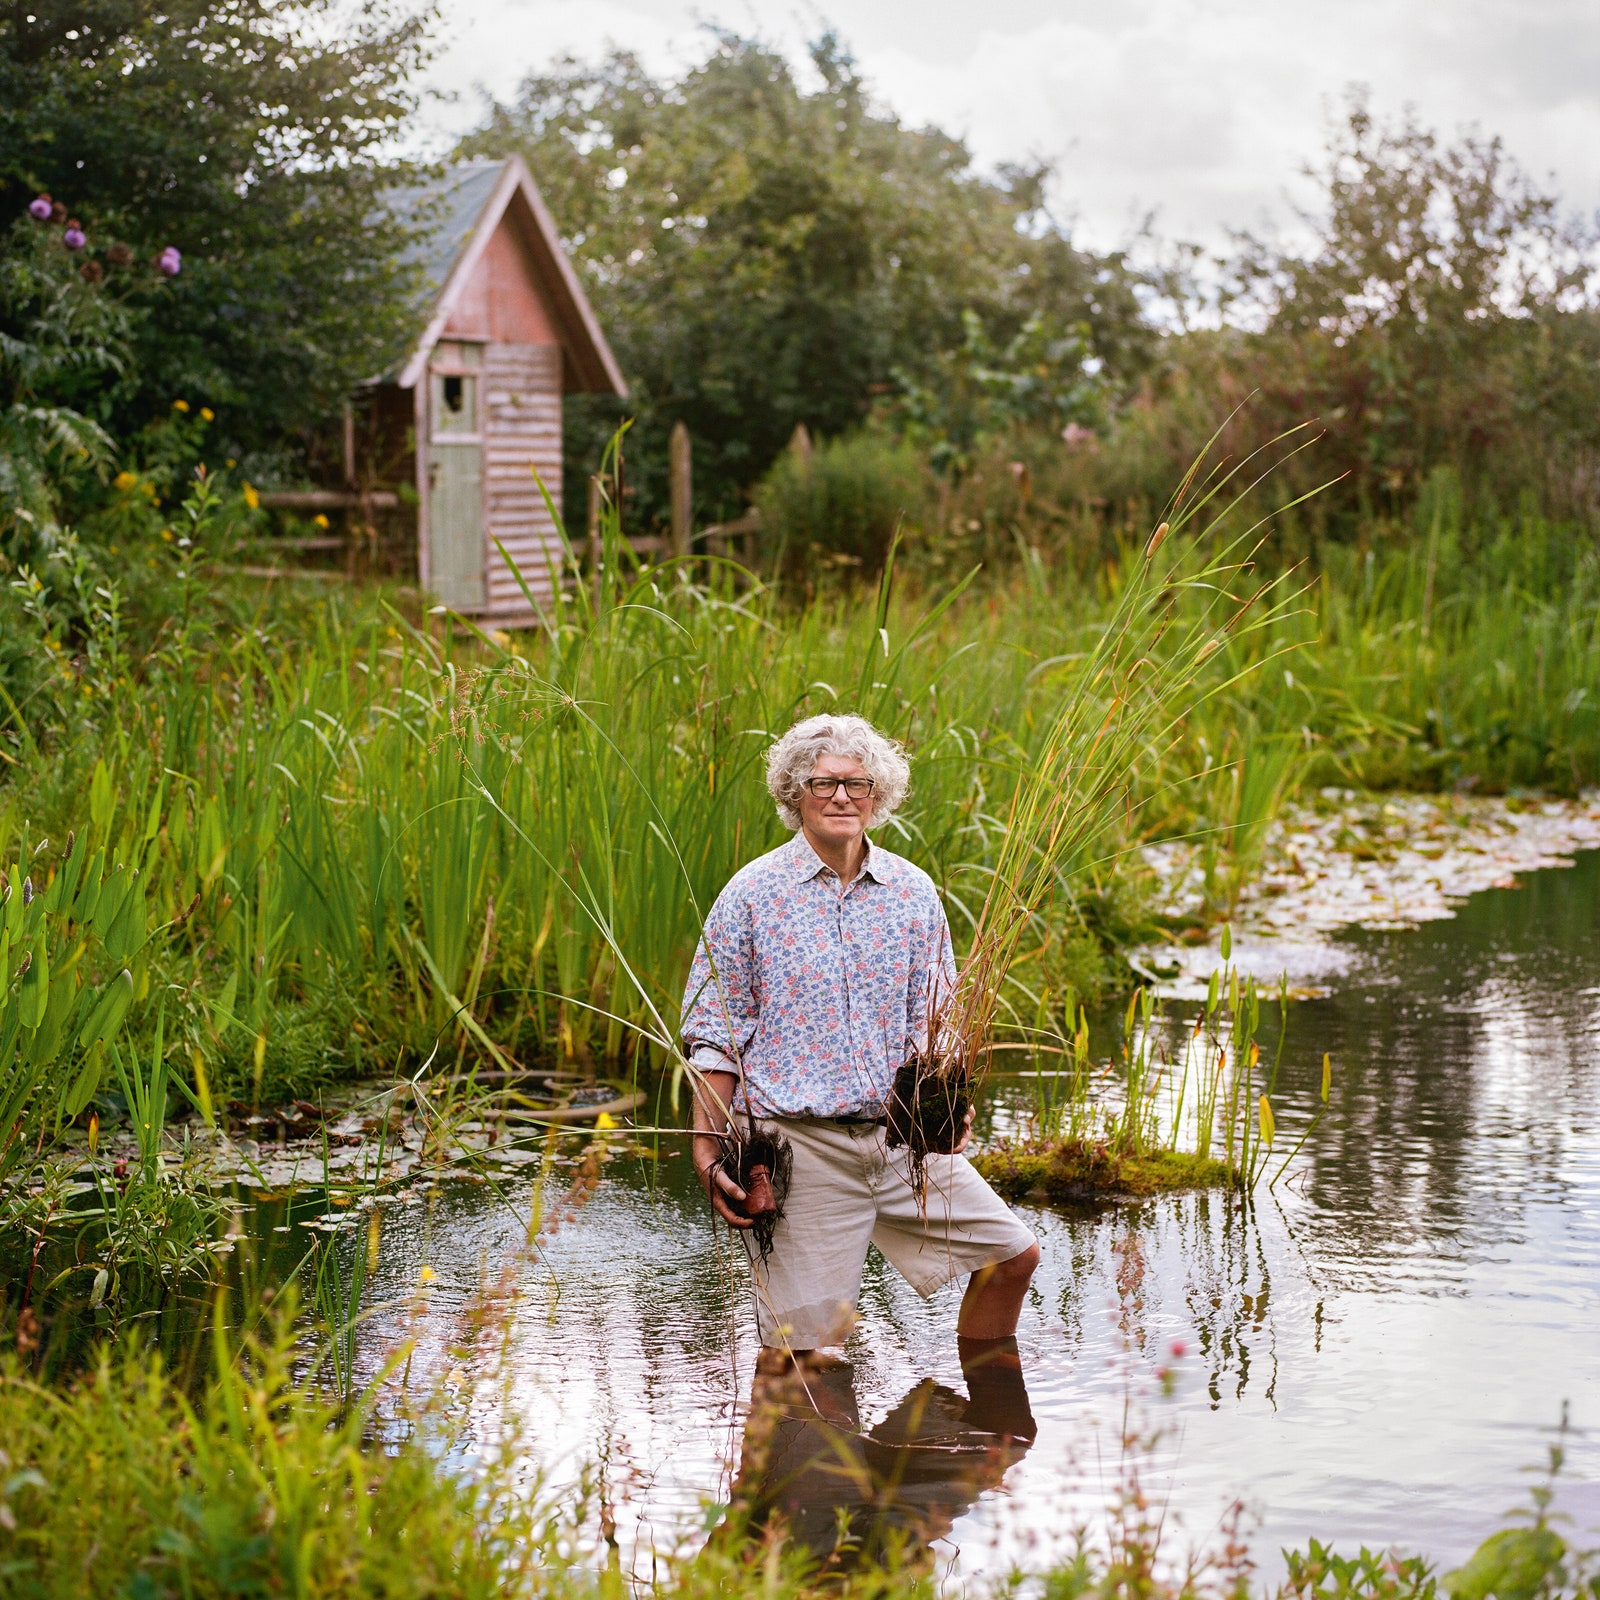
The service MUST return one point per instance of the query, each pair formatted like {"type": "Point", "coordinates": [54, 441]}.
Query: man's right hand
{"type": "Point", "coordinates": [712, 1093]}
{"type": "Point", "coordinates": [724, 1194]}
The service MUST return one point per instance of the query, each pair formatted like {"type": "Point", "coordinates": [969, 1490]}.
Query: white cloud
{"type": "Point", "coordinates": [1201, 110]}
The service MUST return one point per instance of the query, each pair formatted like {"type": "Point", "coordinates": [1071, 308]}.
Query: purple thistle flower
{"type": "Point", "coordinates": [170, 261]}
{"type": "Point", "coordinates": [74, 238]}
{"type": "Point", "coordinates": [39, 210]}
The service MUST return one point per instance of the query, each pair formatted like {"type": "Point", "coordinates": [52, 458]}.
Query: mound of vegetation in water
{"type": "Point", "coordinates": [1083, 1169]}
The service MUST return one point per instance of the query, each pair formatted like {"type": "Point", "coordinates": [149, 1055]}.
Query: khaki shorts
{"type": "Point", "coordinates": [848, 1190]}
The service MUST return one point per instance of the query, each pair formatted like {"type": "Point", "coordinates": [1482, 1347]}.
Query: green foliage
{"type": "Point", "coordinates": [1513, 1564]}
{"type": "Point", "coordinates": [290, 776]}
{"type": "Point", "coordinates": [67, 945]}
{"type": "Point", "coordinates": [122, 1484]}
{"type": "Point", "coordinates": [1046, 375]}
{"type": "Point", "coordinates": [762, 254]}
{"type": "Point", "coordinates": [1446, 315]}
{"type": "Point", "coordinates": [1320, 1573]}
{"type": "Point", "coordinates": [65, 345]}
{"type": "Point", "coordinates": [119, 1486]}
{"type": "Point", "coordinates": [252, 137]}
{"type": "Point", "coordinates": [840, 506]}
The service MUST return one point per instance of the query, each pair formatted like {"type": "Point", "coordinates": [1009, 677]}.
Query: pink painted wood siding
{"type": "Point", "coordinates": [522, 428]}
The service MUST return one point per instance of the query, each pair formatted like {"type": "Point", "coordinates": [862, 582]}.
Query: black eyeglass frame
{"type": "Point", "coordinates": [809, 785]}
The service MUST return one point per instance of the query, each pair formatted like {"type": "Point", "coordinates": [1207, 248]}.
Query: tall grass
{"type": "Point", "coordinates": [338, 895]}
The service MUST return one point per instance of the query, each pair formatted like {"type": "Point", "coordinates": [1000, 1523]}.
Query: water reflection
{"type": "Point", "coordinates": [889, 1492]}
{"type": "Point", "coordinates": [1372, 1354]}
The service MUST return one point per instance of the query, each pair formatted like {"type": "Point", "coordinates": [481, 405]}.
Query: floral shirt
{"type": "Point", "coordinates": [821, 991]}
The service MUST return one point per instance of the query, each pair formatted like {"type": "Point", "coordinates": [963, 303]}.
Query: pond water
{"type": "Point", "coordinates": [1373, 1353]}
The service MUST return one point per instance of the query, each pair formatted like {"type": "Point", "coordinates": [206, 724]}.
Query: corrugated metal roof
{"type": "Point", "coordinates": [449, 209]}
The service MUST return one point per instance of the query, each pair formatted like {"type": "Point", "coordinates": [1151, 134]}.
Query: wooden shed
{"type": "Point", "coordinates": [476, 403]}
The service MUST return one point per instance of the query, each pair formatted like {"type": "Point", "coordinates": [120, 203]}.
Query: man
{"type": "Point", "coordinates": [813, 982]}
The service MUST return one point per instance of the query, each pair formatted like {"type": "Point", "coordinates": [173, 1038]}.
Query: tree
{"type": "Point", "coordinates": [250, 137]}
{"type": "Point", "coordinates": [1444, 315]}
{"type": "Point", "coordinates": [762, 254]}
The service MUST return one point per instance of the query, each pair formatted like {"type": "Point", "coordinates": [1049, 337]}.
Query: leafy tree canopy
{"type": "Point", "coordinates": [762, 253]}
{"type": "Point", "coordinates": [1444, 314]}
{"type": "Point", "coordinates": [251, 137]}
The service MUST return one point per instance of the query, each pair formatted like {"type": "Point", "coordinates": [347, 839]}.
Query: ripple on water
{"type": "Point", "coordinates": [1372, 1355]}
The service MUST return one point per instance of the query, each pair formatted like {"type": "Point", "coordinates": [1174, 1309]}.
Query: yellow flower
{"type": "Point", "coordinates": [124, 481]}
{"type": "Point", "coordinates": [252, 498]}
{"type": "Point", "coordinates": [427, 1275]}
{"type": "Point", "coordinates": [180, 405]}
{"type": "Point", "coordinates": [231, 463]}
{"type": "Point", "coordinates": [320, 520]}
{"type": "Point", "coordinates": [166, 533]}
{"type": "Point", "coordinates": [208, 413]}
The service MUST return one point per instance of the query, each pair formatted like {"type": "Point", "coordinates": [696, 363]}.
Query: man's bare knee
{"type": "Point", "coordinates": [1020, 1268]}
{"type": "Point", "coordinates": [1014, 1273]}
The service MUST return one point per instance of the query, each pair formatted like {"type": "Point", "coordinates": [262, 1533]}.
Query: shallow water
{"type": "Point", "coordinates": [1374, 1354]}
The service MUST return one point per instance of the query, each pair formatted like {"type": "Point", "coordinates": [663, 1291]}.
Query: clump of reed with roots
{"type": "Point", "coordinates": [1191, 595]}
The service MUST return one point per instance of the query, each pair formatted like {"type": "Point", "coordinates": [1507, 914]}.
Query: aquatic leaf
{"type": "Point", "coordinates": [211, 844]}
{"type": "Point", "coordinates": [46, 1041]}
{"type": "Point", "coordinates": [97, 1293]}
{"type": "Point", "coordinates": [1327, 1075]}
{"type": "Point", "coordinates": [1227, 941]}
{"type": "Point", "coordinates": [89, 888]}
{"type": "Point", "coordinates": [83, 1090]}
{"type": "Point", "coordinates": [102, 799]}
{"type": "Point", "coordinates": [128, 932]}
{"type": "Point", "coordinates": [114, 887]}
{"type": "Point", "coordinates": [34, 994]}
{"type": "Point", "coordinates": [1268, 1127]}
{"type": "Point", "coordinates": [222, 1017]}
{"type": "Point", "coordinates": [109, 1010]}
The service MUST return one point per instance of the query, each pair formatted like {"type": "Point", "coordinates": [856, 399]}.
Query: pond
{"type": "Point", "coordinates": [1375, 1352]}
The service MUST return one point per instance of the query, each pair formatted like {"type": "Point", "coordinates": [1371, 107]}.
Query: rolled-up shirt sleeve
{"type": "Point", "coordinates": [720, 1005]}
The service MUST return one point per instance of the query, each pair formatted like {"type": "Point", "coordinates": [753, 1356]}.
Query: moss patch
{"type": "Point", "coordinates": [1076, 1169]}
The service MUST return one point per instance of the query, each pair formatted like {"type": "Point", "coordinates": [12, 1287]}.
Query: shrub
{"type": "Point", "coordinates": [840, 507]}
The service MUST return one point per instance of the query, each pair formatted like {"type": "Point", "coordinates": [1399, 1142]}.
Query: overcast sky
{"type": "Point", "coordinates": [1202, 111]}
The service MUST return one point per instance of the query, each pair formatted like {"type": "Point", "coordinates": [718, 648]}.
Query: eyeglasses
{"type": "Point", "coordinates": [827, 788]}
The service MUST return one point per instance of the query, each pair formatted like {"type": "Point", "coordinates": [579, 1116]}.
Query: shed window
{"type": "Point", "coordinates": [455, 403]}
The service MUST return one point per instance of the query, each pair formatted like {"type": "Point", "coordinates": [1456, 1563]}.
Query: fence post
{"type": "Point", "coordinates": [800, 448]}
{"type": "Point", "coordinates": [680, 461]}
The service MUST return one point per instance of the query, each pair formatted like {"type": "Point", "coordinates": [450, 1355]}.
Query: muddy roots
{"type": "Point", "coordinates": [761, 1164]}
{"type": "Point", "coordinates": [927, 1111]}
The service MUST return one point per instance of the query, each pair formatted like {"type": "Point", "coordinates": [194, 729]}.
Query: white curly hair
{"type": "Point", "coordinates": [794, 758]}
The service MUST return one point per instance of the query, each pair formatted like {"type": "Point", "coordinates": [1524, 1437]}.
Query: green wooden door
{"type": "Point", "coordinates": [455, 492]}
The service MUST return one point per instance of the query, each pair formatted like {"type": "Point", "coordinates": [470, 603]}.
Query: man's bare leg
{"type": "Point", "coordinates": [993, 1301]}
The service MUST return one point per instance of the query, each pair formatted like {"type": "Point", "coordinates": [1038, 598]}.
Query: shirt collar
{"type": "Point", "coordinates": [805, 863]}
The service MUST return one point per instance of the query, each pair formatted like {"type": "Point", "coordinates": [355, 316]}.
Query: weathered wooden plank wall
{"type": "Point", "coordinates": [522, 426]}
